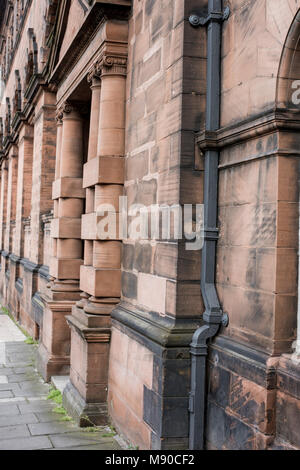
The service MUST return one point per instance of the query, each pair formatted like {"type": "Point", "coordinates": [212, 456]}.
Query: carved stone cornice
{"type": "Point", "coordinates": [265, 123]}
{"type": "Point", "coordinates": [47, 218]}
{"type": "Point", "coordinates": [6, 10]}
{"type": "Point", "coordinates": [99, 13]}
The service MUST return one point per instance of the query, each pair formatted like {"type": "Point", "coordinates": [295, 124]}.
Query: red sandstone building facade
{"type": "Point", "coordinates": [102, 99]}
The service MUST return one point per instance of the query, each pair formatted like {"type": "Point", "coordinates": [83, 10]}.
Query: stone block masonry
{"type": "Point", "coordinates": [108, 99]}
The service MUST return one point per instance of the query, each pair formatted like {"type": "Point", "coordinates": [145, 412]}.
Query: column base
{"type": "Point", "coordinates": [151, 407]}
{"type": "Point", "coordinates": [85, 398]}
{"type": "Point", "coordinates": [53, 356]}
{"type": "Point", "coordinates": [49, 366]}
{"type": "Point", "coordinates": [85, 414]}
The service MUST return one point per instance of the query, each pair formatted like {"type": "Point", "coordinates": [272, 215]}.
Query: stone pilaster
{"type": "Point", "coordinates": [24, 184]}
{"type": "Point", "coordinates": [3, 201]}
{"type": "Point", "coordinates": [3, 204]}
{"type": "Point", "coordinates": [100, 276]}
{"type": "Point", "coordinates": [10, 228]}
{"type": "Point", "coordinates": [63, 290]}
{"type": "Point", "coordinates": [11, 197]}
{"type": "Point", "coordinates": [23, 208]}
{"type": "Point", "coordinates": [95, 84]}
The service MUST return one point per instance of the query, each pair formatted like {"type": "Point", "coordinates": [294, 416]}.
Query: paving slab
{"type": "Point", "coordinates": [48, 417]}
{"type": "Point", "coordinates": [34, 407]}
{"type": "Point", "coordinates": [9, 410]}
{"type": "Point", "coordinates": [21, 378]}
{"type": "Point", "coordinates": [9, 400]}
{"type": "Point", "coordinates": [94, 446]}
{"type": "Point", "coordinates": [29, 443]}
{"type": "Point", "coordinates": [6, 371]}
{"type": "Point", "coordinates": [27, 419]}
{"type": "Point", "coordinates": [41, 429]}
{"type": "Point", "coordinates": [8, 386]}
{"type": "Point", "coordinates": [9, 331]}
{"type": "Point", "coordinates": [6, 394]}
{"type": "Point", "coordinates": [17, 431]}
{"type": "Point", "coordinates": [78, 439]}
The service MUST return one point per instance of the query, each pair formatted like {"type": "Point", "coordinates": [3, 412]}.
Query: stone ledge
{"type": "Point", "coordinates": [288, 373]}
{"type": "Point", "coordinates": [90, 335]}
{"type": "Point", "coordinates": [44, 272]}
{"type": "Point", "coordinates": [150, 327]}
{"type": "Point", "coordinates": [243, 360]}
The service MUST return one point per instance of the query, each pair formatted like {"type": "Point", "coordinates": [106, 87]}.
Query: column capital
{"type": "Point", "coordinates": [68, 108]}
{"type": "Point", "coordinates": [59, 117]}
{"type": "Point", "coordinates": [71, 111]}
{"type": "Point", "coordinates": [4, 163]}
{"type": "Point", "coordinates": [113, 65]}
{"type": "Point", "coordinates": [94, 75]}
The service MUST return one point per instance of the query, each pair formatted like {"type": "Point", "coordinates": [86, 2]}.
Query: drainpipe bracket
{"type": "Point", "coordinates": [211, 233]}
{"type": "Point", "coordinates": [225, 320]}
{"type": "Point", "coordinates": [192, 402]}
{"type": "Point", "coordinates": [198, 350]}
{"type": "Point", "coordinates": [215, 16]}
{"type": "Point", "coordinates": [212, 318]}
{"type": "Point", "coordinates": [226, 13]}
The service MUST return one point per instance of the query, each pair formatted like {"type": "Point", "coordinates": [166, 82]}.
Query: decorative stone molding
{"type": "Point", "coordinates": [59, 116]}
{"type": "Point", "coordinates": [94, 73]}
{"type": "Point", "coordinates": [94, 20]}
{"type": "Point", "coordinates": [263, 124]}
{"type": "Point", "coordinates": [10, 45]}
{"type": "Point", "coordinates": [17, 100]}
{"type": "Point", "coordinates": [7, 118]}
{"type": "Point", "coordinates": [108, 65]}
{"type": "Point", "coordinates": [68, 108]}
{"type": "Point", "coordinates": [114, 65]}
{"type": "Point", "coordinates": [47, 218]}
{"type": "Point", "coordinates": [71, 107]}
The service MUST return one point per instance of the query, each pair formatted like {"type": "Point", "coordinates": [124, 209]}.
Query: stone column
{"type": "Point", "coordinates": [3, 201]}
{"type": "Point", "coordinates": [100, 277]}
{"type": "Point", "coordinates": [23, 208]}
{"type": "Point", "coordinates": [4, 180]}
{"type": "Point", "coordinates": [64, 290]}
{"type": "Point", "coordinates": [11, 197]}
{"type": "Point", "coordinates": [9, 230]}
{"type": "Point", "coordinates": [23, 186]}
{"type": "Point", "coordinates": [69, 205]}
{"type": "Point", "coordinates": [95, 83]}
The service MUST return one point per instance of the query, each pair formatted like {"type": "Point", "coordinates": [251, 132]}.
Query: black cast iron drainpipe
{"type": "Point", "coordinates": [213, 316]}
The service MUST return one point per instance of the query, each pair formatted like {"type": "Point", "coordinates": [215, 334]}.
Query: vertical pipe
{"type": "Point", "coordinates": [213, 315]}
{"type": "Point", "coordinates": [298, 313]}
